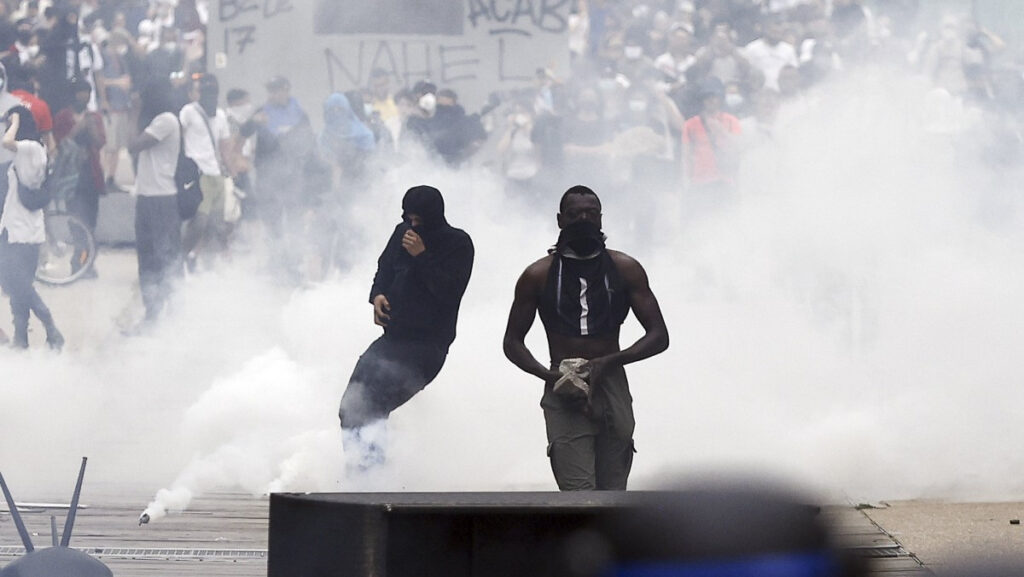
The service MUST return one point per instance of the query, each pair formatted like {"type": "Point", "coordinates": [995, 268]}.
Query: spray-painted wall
{"type": "Point", "coordinates": [471, 46]}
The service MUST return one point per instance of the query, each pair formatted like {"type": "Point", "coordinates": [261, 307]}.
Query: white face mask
{"type": "Point", "coordinates": [734, 100]}
{"type": "Point", "coordinates": [521, 119]}
{"type": "Point", "coordinates": [368, 110]}
{"type": "Point", "coordinates": [428, 102]}
{"type": "Point", "coordinates": [242, 112]}
{"type": "Point", "coordinates": [633, 52]}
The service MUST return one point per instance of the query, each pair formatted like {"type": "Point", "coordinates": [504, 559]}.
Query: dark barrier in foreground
{"type": "Point", "coordinates": [704, 533]}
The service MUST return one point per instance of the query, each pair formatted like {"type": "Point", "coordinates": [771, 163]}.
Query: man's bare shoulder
{"type": "Point", "coordinates": [622, 259]}
{"type": "Point", "coordinates": [539, 267]}
{"type": "Point", "coordinates": [629, 268]}
{"type": "Point", "coordinates": [535, 275]}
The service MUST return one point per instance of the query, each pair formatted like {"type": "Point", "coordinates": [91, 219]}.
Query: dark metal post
{"type": "Point", "coordinates": [65, 539]}
{"type": "Point", "coordinates": [25, 539]}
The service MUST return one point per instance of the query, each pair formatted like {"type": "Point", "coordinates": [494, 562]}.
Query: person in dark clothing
{"type": "Point", "coordinates": [421, 277]}
{"type": "Point", "coordinates": [86, 129]}
{"type": "Point", "coordinates": [287, 170]}
{"type": "Point", "coordinates": [443, 126]}
{"type": "Point", "coordinates": [54, 45]}
{"type": "Point", "coordinates": [346, 141]}
{"type": "Point", "coordinates": [583, 293]}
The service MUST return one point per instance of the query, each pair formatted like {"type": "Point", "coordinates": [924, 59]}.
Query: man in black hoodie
{"type": "Point", "coordinates": [421, 277]}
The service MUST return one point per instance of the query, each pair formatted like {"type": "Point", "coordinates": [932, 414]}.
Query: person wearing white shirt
{"type": "Point", "coordinates": [678, 58]}
{"type": "Point", "coordinates": [157, 223]}
{"type": "Point", "coordinates": [206, 133]}
{"type": "Point", "coordinates": [770, 54]}
{"type": "Point", "coordinates": [22, 231]}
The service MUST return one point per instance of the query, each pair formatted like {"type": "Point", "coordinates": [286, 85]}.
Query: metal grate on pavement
{"type": "Point", "coordinates": [148, 553]}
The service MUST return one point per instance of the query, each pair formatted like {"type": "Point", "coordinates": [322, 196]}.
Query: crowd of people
{"type": "Point", "coordinates": [660, 95]}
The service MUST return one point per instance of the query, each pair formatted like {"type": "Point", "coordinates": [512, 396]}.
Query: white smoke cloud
{"type": "Point", "coordinates": [852, 322]}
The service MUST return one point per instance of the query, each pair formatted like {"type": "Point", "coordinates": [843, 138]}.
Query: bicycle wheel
{"type": "Point", "coordinates": [68, 251]}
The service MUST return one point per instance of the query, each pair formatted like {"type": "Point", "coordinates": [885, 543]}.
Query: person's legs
{"type": "Point", "coordinates": [613, 461]}
{"type": "Point", "coordinates": [19, 275]}
{"type": "Point", "coordinates": [158, 243]}
{"type": "Point", "coordinates": [210, 210]}
{"type": "Point", "coordinates": [571, 445]}
{"type": "Point", "coordinates": [386, 376]}
{"type": "Point", "coordinates": [166, 246]}
{"type": "Point", "coordinates": [145, 238]}
{"type": "Point", "coordinates": [364, 446]}
{"type": "Point", "coordinates": [78, 206]}
{"type": "Point", "coordinates": [118, 133]}
{"type": "Point", "coordinates": [54, 338]}
{"type": "Point", "coordinates": [613, 413]}
{"type": "Point", "coordinates": [30, 261]}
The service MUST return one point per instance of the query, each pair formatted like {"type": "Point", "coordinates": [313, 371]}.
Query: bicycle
{"type": "Point", "coordinates": [69, 250]}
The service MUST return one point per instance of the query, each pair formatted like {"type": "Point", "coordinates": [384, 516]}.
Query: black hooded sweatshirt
{"type": "Point", "coordinates": [425, 291]}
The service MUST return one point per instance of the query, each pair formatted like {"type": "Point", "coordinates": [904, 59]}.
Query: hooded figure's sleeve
{"type": "Point", "coordinates": [445, 273]}
{"type": "Point", "coordinates": [386, 264]}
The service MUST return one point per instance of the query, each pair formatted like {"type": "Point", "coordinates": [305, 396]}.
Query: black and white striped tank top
{"type": "Point", "coordinates": [583, 297]}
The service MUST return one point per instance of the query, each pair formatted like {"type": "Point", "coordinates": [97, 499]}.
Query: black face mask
{"type": "Point", "coordinates": [24, 37]}
{"type": "Point", "coordinates": [208, 102]}
{"type": "Point", "coordinates": [583, 237]}
{"type": "Point", "coordinates": [409, 226]}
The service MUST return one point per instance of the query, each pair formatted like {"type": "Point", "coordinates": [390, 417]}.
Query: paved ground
{"type": "Point", "coordinates": [955, 539]}
{"type": "Point", "coordinates": [221, 535]}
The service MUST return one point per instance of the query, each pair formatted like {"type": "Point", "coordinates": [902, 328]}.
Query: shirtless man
{"type": "Point", "coordinates": [583, 293]}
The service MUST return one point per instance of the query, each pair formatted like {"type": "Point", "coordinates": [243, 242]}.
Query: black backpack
{"type": "Point", "coordinates": [186, 179]}
{"type": "Point", "coordinates": [34, 198]}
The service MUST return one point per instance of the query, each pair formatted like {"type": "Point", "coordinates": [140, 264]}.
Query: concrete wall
{"type": "Point", "coordinates": [471, 46]}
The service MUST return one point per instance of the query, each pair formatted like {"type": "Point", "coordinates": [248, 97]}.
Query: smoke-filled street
{"type": "Point", "coordinates": [366, 260]}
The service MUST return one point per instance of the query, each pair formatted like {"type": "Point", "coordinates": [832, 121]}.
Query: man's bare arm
{"type": "Point", "coordinates": [648, 312]}
{"type": "Point", "coordinates": [521, 317]}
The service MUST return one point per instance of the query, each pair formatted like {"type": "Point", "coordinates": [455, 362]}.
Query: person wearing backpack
{"type": "Point", "coordinates": [22, 229]}
{"type": "Point", "coordinates": [206, 134]}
